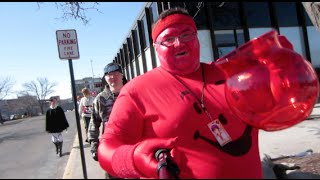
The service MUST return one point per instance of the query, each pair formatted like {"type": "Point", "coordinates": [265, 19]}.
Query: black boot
{"type": "Point", "coordinates": [57, 146]}
{"type": "Point", "coordinates": [60, 148]}
{"type": "Point", "coordinates": [94, 147]}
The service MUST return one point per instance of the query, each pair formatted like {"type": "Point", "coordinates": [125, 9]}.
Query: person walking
{"type": "Point", "coordinates": [1, 119]}
{"type": "Point", "coordinates": [85, 109]}
{"type": "Point", "coordinates": [56, 122]}
{"type": "Point", "coordinates": [78, 99]}
{"type": "Point", "coordinates": [113, 80]}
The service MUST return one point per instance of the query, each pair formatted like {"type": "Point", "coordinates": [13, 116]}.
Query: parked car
{"type": "Point", "coordinates": [5, 117]}
{"type": "Point", "coordinates": [15, 116]}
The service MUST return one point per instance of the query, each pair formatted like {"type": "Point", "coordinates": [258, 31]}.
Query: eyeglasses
{"type": "Point", "coordinates": [184, 37]}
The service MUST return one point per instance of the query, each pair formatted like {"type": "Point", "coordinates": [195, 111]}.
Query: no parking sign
{"type": "Point", "coordinates": [67, 44]}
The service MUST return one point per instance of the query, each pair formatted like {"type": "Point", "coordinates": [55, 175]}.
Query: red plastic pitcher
{"type": "Point", "coordinates": [269, 85]}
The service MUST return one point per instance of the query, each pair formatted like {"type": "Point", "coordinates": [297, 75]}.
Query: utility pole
{"type": "Point", "coordinates": [92, 77]}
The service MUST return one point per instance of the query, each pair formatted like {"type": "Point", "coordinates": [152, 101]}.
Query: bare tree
{"type": "Point", "coordinates": [75, 10]}
{"type": "Point", "coordinates": [313, 10]}
{"type": "Point", "coordinates": [29, 104]}
{"type": "Point", "coordinates": [40, 89]}
{"type": "Point", "coordinates": [6, 85]}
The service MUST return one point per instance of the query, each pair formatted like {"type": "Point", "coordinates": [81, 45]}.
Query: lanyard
{"type": "Point", "coordinates": [193, 94]}
{"type": "Point", "coordinates": [219, 132]}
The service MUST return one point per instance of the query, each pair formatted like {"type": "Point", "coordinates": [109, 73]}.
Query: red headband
{"type": "Point", "coordinates": [168, 21]}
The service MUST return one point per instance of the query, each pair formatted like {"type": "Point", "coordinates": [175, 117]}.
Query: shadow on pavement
{"type": "Point", "coordinates": [65, 154]}
{"type": "Point", "coordinates": [6, 123]}
{"type": "Point", "coordinates": [302, 175]}
{"type": "Point", "coordinates": [84, 146]}
{"type": "Point", "coordinates": [313, 117]}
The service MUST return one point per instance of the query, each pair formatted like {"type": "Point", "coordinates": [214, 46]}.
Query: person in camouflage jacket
{"type": "Point", "coordinates": [113, 80]}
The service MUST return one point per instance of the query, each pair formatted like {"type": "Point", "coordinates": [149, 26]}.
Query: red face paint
{"type": "Point", "coordinates": [182, 57]}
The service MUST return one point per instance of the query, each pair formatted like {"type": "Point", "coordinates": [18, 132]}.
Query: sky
{"type": "Point", "coordinates": [29, 50]}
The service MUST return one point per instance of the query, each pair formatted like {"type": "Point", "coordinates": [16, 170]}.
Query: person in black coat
{"type": "Point", "coordinates": [56, 122]}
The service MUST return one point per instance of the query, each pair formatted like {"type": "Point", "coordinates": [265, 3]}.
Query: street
{"type": "Point", "coordinates": [27, 151]}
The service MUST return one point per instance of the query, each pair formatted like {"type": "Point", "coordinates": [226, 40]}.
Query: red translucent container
{"type": "Point", "coordinates": [269, 85]}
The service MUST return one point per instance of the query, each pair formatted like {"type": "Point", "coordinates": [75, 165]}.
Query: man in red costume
{"type": "Point", "coordinates": [174, 107]}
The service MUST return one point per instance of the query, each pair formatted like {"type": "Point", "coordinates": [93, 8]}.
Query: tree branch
{"type": "Point", "coordinates": [75, 10]}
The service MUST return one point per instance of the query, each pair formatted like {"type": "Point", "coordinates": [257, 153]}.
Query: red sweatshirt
{"type": "Point", "coordinates": [156, 105]}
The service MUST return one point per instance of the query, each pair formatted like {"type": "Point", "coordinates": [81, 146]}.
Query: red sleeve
{"type": "Point", "coordinates": [121, 133]}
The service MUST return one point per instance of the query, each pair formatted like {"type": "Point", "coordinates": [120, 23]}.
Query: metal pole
{"type": "Point", "coordinates": [78, 121]}
{"type": "Point", "coordinates": [92, 76]}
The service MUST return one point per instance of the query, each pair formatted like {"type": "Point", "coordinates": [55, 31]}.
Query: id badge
{"type": "Point", "coordinates": [219, 132]}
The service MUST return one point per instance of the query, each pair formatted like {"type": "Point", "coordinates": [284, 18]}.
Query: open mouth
{"type": "Point", "coordinates": [180, 54]}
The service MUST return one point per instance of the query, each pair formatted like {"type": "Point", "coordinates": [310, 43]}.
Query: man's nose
{"type": "Point", "coordinates": [177, 41]}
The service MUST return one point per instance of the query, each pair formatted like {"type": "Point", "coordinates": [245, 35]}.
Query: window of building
{"type": "Point", "coordinates": [177, 4]}
{"type": "Point", "coordinates": [122, 57]}
{"type": "Point", "coordinates": [130, 48]}
{"type": "Point", "coordinates": [125, 54]}
{"type": "Point", "coordinates": [98, 85]}
{"type": "Point", "coordinates": [134, 69]}
{"type": "Point", "coordinates": [224, 38]}
{"type": "Point", "coordinates": [225, 15]}
{"type": "Point", "coordinates": [154, 11]}
{"type": "Point", "coordinates": [145, 32]}
{"type": "Point", "coordinates": [286, 13]}
{"type": "Point", "coordinates": [307, 18]}
{"type": "Point", "coordinates": [228, 40]}
{"type": "Point", "coordinates": [206, 51]}
{"type": "Point", "coordinates": [137, 40]}
{"type": "Point", "coordinates": [314, 39]}
{"type": "Point", "coordinates": [257, 14]}
{"type": "Point", "coordinates": [294, 35]}
{"type": "Point", "coordinates": [165, 5]}
{"type": "Point", "coordinates": [119, 59]}
{"type": "Point", "coordinates": [225, 50]}
{"type": "Point", "coordinates": [129, 72]}
{"type": "Point", "coordinates": [196, 10]}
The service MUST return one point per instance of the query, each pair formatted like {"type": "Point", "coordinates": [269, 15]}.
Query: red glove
{"type": "Point", "coordinates": [133, 161]}
{"type": "Point", "coordinates": [268, 85]}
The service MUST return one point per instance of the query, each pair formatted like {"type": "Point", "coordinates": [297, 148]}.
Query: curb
{"type": "Point", "coordinates": [68, 170]}
{"type": "Point", "coordinates": [74, 170]}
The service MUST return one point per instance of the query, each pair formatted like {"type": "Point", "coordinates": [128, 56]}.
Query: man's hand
{"type": "Point", "coordinates": [144, 155]}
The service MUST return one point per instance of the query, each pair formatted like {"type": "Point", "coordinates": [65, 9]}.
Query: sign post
{"type": "Point", "coordinates": [68, 49]}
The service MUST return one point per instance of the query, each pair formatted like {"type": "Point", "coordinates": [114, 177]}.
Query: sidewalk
{"type": "Point", "coordinates": [74, 168]}
{"type": "Point", "coordinates": [305, 135]}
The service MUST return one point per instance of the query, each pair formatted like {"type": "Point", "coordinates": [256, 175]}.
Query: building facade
{"type": "Point", "coordinates": [222, 27]}
{"type": "Point", "coordinates": [29, 106]}
{"type": "Point", "coordinates": [94, 84]}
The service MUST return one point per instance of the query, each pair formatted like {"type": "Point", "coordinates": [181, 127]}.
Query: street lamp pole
{"type": "Point", "coordinates": [92, 76]}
